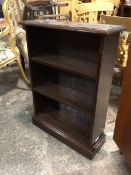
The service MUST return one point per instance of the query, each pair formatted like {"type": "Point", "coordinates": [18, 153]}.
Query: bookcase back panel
{"type": "Point", "coordinates": [81, 86]}
{"type": "Point", "coordinates": [81, 121]}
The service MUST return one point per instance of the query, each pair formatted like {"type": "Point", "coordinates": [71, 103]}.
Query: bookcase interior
{"type": "Point", "coordinates": [64, 43]}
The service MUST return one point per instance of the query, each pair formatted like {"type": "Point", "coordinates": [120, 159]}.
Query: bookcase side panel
{"type": "Point", "coordinates": [109, 47]}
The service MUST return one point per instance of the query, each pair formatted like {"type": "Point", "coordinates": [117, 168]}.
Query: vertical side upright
{"type": "Point", "coordinates": [108, 51]}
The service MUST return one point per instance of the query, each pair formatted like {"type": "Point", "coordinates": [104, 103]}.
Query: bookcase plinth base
{"type": "Point", "coordinates": [78, 145]}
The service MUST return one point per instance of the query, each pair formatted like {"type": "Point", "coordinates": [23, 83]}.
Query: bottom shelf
{"type": "Point", "coordinates": [58, 124]}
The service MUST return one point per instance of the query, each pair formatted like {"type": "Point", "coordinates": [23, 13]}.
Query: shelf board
{"type": "Point", "coordinates": [68, 64]}
{"type": "Point", "coordinates": [59, 123]}
{"type": "Point", "coordinates": [81, 102]}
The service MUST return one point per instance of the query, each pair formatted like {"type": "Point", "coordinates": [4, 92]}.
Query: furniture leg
{"type": "Point", "coordinates": [22, 71]}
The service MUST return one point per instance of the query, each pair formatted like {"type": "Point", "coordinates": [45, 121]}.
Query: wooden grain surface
{"type": "Point", "coordinates": [103, 29]}
{"type": "Point", "coordinates": [122, 134]}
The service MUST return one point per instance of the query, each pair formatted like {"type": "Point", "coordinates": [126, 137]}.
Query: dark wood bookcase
{"type": "Point", "coordinates": [71, 66]}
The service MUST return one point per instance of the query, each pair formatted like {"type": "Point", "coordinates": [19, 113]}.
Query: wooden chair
{"type": "Point", "coordinates": [10, 52]}
{"type": "Point", "coordinates": [89, 12]}
{"type": "Point", "coordinates": [44, 10]}
{"type": "Point", "coordinates": [17, 9]}
{"type": "Point", "coordinates": [70, 9]}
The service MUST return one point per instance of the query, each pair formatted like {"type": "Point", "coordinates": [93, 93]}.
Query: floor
{"type": "Point", "coordinates": [27, 150]}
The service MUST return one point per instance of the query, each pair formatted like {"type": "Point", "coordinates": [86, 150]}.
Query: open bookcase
{"type": "Point", "coordinates": [71, 68]}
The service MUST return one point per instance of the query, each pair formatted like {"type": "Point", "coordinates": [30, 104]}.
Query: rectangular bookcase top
{"type": "Point", "coordinates": [103, 29]}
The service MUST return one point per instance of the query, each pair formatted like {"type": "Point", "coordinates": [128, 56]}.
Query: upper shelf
{"type": "Point", "coordinates": [71, 65]}
{"type": "Point", "coordinates": [103, 29]}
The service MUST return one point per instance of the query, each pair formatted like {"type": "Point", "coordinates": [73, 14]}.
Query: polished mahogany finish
{"type": "Point", "coordinates": [71, 66]}
{"type": "Point", "coordinates": [122, 133]}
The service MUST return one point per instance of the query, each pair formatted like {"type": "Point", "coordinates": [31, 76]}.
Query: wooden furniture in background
{"type": "Point", "coordinates": [122, 133]}
{"type": "Point", "coordinates": [90, 12]}
{"type": "Point", "coordinates": [70, 9]}
{"type": "Point", "coordinates": [71, 67]}
{"type": "Point", "coordinates": [45, 10]}
{"type": "Point", "coordinates": [121, 60]}
{"type": "Point", "coordinates": [86, 12]}
{"type": "Point", "coordinates": [37, 2]}
{"type": "Point", "coordinates": [125, 9]}
{"type": "Point", "coordinates": [117, 20]}
{"type": "Point", "coordinates": [115, 2]}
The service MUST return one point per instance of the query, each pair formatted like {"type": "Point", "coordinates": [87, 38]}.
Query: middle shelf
{"type": "Point", "coordinates": [66, 95]}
